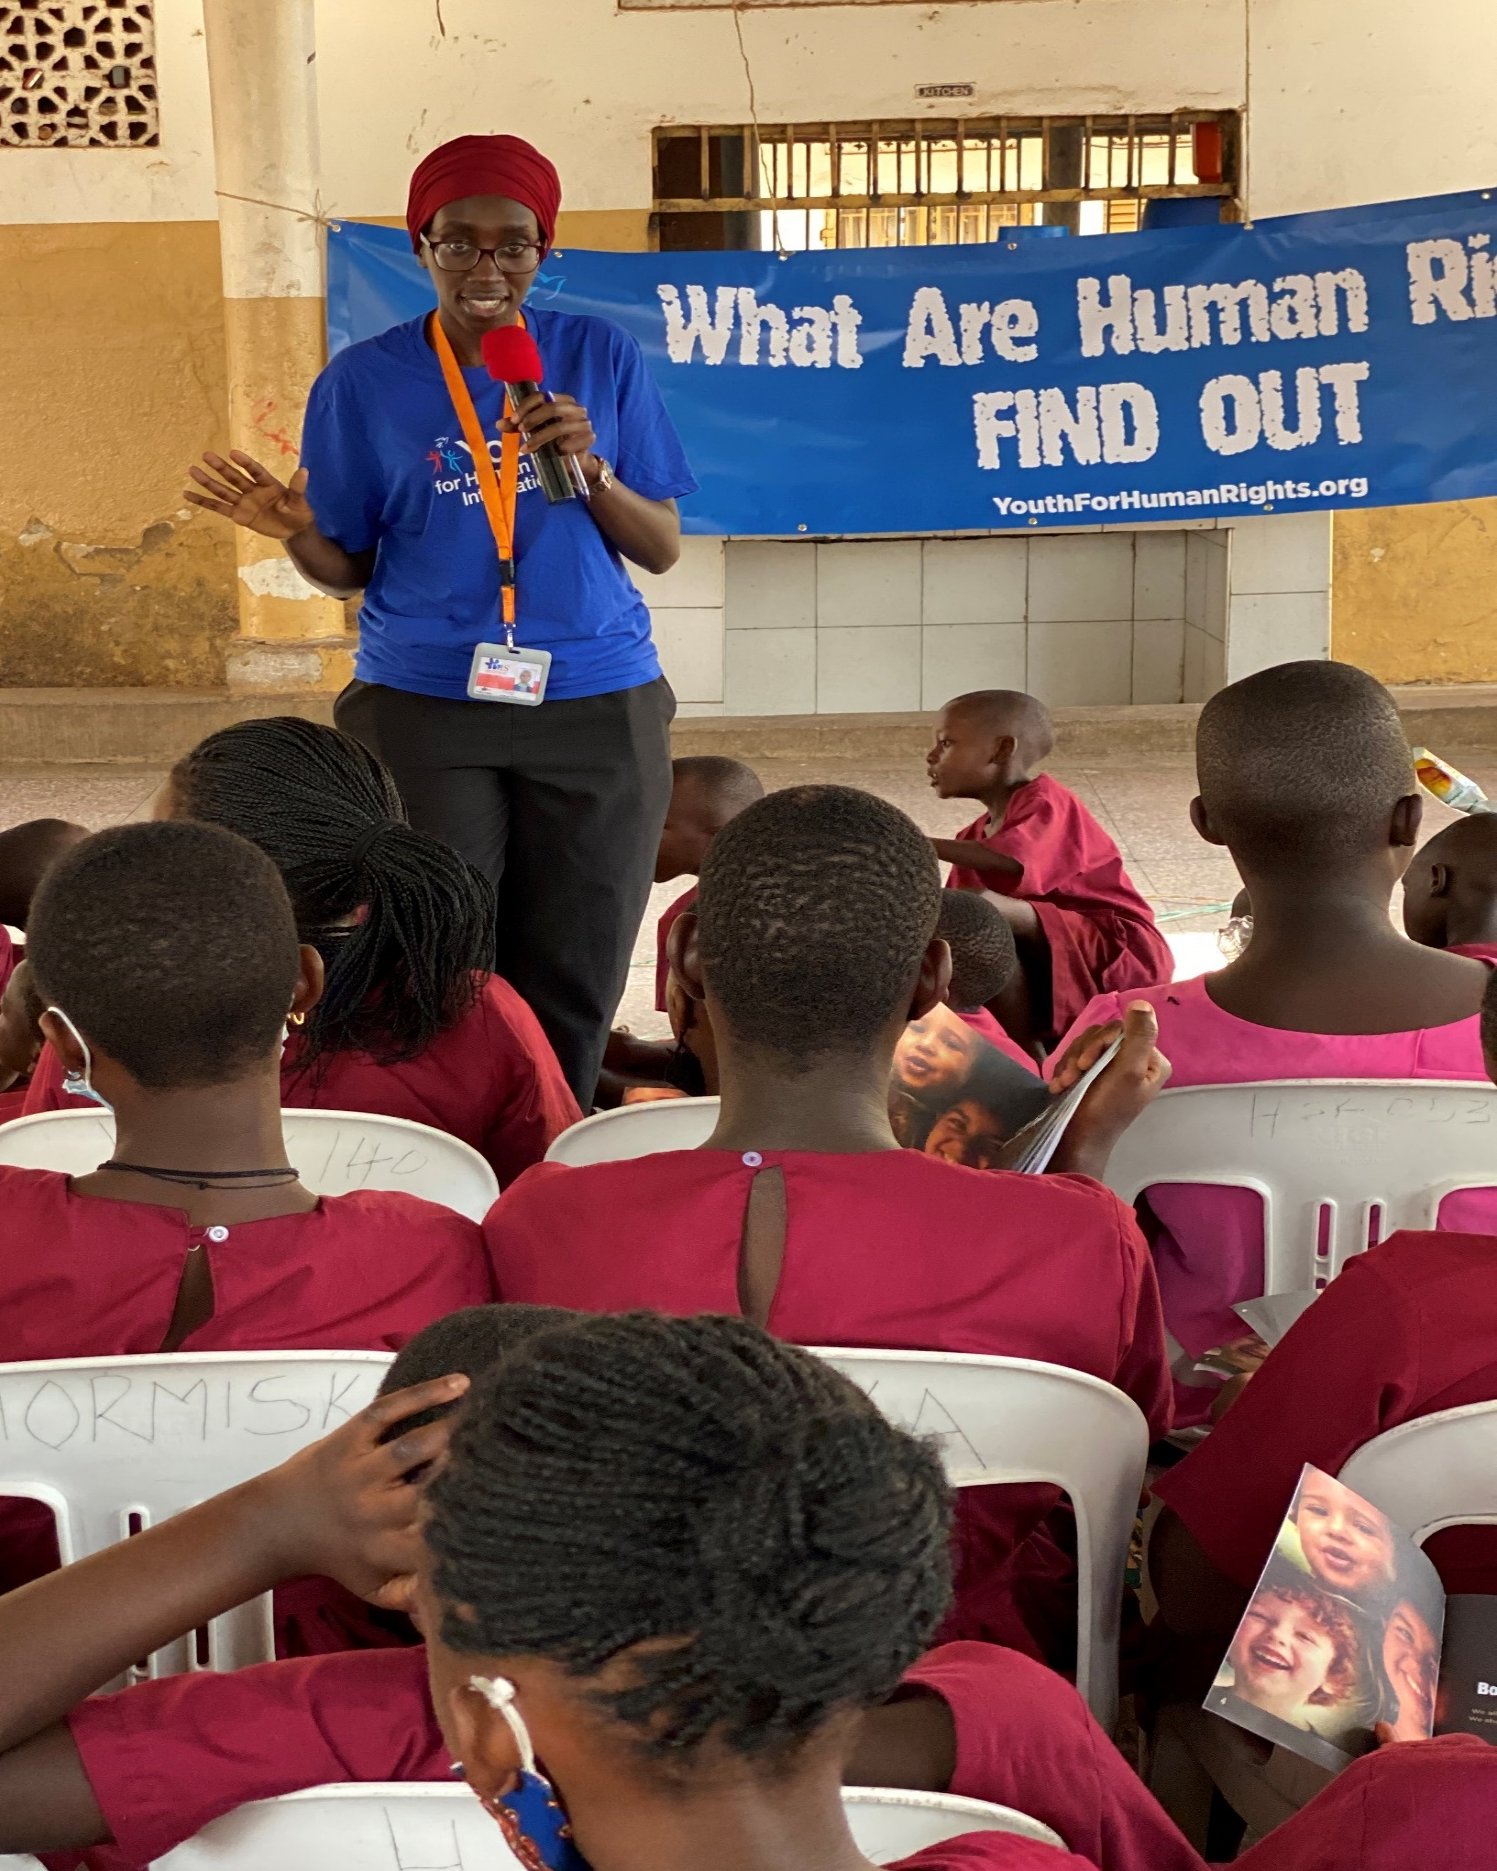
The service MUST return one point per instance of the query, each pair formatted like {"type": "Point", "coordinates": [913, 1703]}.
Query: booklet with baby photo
{"type": "Point", "coordinates": [1349, 1627]}
{"type": "Point", "coordinates": [954, 1095]}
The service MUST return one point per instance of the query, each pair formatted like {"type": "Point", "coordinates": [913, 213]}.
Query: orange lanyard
{"type": "Point", "coordinates": [499, 491]}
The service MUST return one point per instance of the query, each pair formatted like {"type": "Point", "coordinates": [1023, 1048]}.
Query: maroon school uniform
{"type": "Point", "coordinates": [491, 1080]}
{"type": "Point", "coordinates": [1100, 931]}
{"type": "Point", "coordinates": [1408, 1328]}
{"type": "Point", "coordinates": [167, 1757]}
{"type": "Point", "coordinates": [662, 934]}
{"type": "Point", "coordinates": [90, 1277]}
{"type": "Point", "coordinates": [1415, 1806]}
{"type": "Point", "coordinates": [889, 1249]}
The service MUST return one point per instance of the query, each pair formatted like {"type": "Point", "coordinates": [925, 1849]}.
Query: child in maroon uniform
{"type": "Point", "coordinates": [410, 1025]}
{"type": "Point", "coordinates": [1450, 889]}
{"type": "Point", "coordinates": [148, 1767]}
{"type": "Point", "coordinates": [167, 963]}
{"type": "Point", "coordinates": [1080, 924]}
{"type": "Point", "coordinates": [641, 1448]}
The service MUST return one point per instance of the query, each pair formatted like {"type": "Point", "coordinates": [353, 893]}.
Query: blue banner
{"type": "Point", "coordinates": [1323, 360]}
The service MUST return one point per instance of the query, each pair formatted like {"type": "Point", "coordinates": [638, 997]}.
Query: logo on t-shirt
{"type": "Point", "coordinates": [453, 472]}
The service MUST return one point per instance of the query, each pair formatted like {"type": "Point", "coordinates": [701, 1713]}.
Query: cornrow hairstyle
{"type": "Point", "coordinates": [172, 948]}
{"type": "Point", "coordinates": [815, 908]}
{"type": "Point", "coordinates": [404, 924]}
{"type": "Point", "coordinates": [697, 1487]}
{"type": "Point", "coordinates": [1301, 765]}
{"type": "Point", "coordinates": [472, 1341]}
{"type": "Point", "coordinates": [983, 957]}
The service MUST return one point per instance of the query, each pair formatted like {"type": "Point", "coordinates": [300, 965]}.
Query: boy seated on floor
{"type": "Point", "coordinates": [1052, 870]}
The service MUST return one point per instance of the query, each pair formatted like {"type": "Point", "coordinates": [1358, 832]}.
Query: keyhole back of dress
{"type": "Point", "coordinates": [761, 1248]}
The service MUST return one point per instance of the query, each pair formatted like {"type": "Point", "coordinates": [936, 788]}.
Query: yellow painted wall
{"type": "Point", "coordinates": [114, 333]}
{"type": "Point", "coordinates": [1414, 592]}
{"type": "Point", "coordinates": [113, 340]}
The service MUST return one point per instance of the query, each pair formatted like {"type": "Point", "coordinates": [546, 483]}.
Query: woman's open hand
{"type": "Point", "coordinates": [243, 490]}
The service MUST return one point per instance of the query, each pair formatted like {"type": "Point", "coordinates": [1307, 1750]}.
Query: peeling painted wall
{"type": "Point", "coordinates": [113, 336]}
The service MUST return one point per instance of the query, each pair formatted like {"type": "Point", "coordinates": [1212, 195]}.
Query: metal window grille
{"type": "Point", "coordinates": [78, 74]}
{"type": "Point", "coordinates": [927, 182]}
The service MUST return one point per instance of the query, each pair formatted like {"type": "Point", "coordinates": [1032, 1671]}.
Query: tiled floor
{"type": "Point", "coordinates": [1142, 801]}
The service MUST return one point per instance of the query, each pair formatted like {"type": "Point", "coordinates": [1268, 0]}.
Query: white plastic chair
{"type": "Point", "coordinates": [385, 1827]}
{"type": "Point", "coordinates": [1361, 1157]}
{"type": "Point", "coordinates": [113, 1445]}
{"type": "Point", "coordinates": [1433, 1471]}
{"type": "Point", "coordinates": [636, 1130]}
{"type": "Point", "coordinates": [334, 1151]}
{"type": "Point", "coordinates": [1003, 1420]}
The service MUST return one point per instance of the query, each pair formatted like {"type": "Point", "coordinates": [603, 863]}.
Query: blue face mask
{"type": "Point", "coordinates": [79, 1082]}
{"type": "Point", "coordinates": [539, 1835]}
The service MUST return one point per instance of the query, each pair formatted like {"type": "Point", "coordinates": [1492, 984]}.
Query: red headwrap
{"type": "Point", "coordinates": [484, 165]}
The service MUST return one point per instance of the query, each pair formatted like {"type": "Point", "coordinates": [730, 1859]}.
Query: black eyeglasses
{"type": "Point", "coordinates": [461, 256]}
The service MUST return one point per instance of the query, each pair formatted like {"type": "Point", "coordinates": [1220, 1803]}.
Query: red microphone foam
{"type": "Point", "coordinates": [510, 356]}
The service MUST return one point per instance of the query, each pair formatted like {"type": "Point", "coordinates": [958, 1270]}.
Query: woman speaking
{"type": "Point", "coordinates": [505, 671]}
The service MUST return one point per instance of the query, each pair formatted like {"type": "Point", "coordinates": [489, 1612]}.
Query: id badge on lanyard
{"type": "Point", "coordinates": [500, 672]}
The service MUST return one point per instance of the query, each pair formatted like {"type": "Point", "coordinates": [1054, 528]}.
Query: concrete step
{"type": "Point", "coordinates": [153, 727]}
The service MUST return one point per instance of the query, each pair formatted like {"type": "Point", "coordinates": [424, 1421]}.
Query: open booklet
{"type": "Point", "coordinates": [954, 1095]}
{"type": "Point", "coordinates": [1349, 1626]}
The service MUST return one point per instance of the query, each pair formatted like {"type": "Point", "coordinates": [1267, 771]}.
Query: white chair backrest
{"type": "Point", "coordinates": [1001, 1420]}
{"type": "Point", "coordinates": [1354, 1159]}
{"type": "Point", "coordinates": [1433, 1471]}
{"type": "Point", "coordinates": [334, 1151]}
{"type": "Point", "coordinates": [389, 1827]}
{"type": "Point", "coordinates": [636, 1130]}
{"type": "Point", "coordinates": [115, 1444]}
{"type": "Point", "coordinates": [893, 1822]}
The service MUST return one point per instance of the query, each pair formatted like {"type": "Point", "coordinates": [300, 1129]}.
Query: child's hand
{"type": "Point", "coordinates": [1126, 1087]}
{"type": "Point", "coordinates": [348, 1507]}
{"type": "Point", "coordinates": [20, 1033]}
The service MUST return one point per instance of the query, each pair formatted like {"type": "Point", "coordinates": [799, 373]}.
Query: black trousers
{"type": "Point", "coordinates": [561, 806]}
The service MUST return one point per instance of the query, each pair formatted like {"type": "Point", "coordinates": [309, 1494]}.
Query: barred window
{"type": "Point", "coordinates": [922, 183]}
{"type": "Point", "coordinates": [78, 74]}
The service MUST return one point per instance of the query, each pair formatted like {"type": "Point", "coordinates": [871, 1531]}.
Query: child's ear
{"type": "Point", "coordinates": [61, 1038]}
{"type": "Point", "coordinates": [309, 979]}
{"type": "Point", "coordinates": [1202, 824]}
{"type": "Point", "coordinates": [681, 953]}
{"type": "Point", "coordinates": [933, 980]}
{"type": "Point", "coordinates": [1439, 880]}
{"type": "Point", "coordinates": [1004, 749]}
{"type": "Point", "coordinates": [1408, 815]}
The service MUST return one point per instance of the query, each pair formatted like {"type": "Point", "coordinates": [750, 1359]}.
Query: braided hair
{"type": "Point", "coordinates": [696, 1487]}
{"type": "Point", "coordinates": [328, 814]}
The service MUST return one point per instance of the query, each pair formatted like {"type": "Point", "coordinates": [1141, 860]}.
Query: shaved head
{"type": "Point", "coordinates": [718, 786]}
{"type": "Point", "coordinates": [1008, 711]}
{"type": "Point", "coordinates": [1301, 767]}
{"type": "Point", "coordinates": [708, 791]}
{"type": "Point", "coordinates": [1450, 893]}
{"type": "Point", "coordinates": [1469, 844]}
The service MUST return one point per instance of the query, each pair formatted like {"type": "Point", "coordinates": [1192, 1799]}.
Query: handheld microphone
{"type": "Point", "coordinates": [510, 357]}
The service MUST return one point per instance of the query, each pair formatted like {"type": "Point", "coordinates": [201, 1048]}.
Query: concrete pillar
{"type": "Point", "coordinates": [262, 80]}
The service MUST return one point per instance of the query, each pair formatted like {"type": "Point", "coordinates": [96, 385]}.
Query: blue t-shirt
{"type": "Point", "coordinates": [390, 472]}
